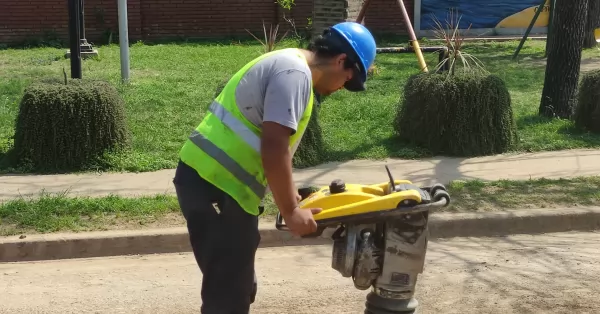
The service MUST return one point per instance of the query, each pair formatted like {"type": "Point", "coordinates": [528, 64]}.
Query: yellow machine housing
{"type": "Point", "coordinates": [342, 200]}
{"type": "Point", "coordinates": [352, 203]}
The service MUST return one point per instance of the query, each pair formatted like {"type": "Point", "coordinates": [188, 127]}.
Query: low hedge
{"type": "Point", "coordinates": [463, 114]}
{"type": "Point", "coordinates": [65, 127]}
{"type": "Point", "coordinates": [311, 150]}
{"type": "Point", "coordinates": [587, 112]}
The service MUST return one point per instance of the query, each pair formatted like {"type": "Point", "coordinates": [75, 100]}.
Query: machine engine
{"type": "Point", "coordinates": [356, 254]}
{"type": "Point", "coordinates": [386, 257]}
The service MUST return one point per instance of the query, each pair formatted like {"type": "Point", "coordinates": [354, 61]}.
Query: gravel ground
{"type": "Point", "coordinates": [552, 273]}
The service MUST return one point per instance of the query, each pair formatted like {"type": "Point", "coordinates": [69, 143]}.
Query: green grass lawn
{"type": "Point", "coordinates": [173, 84]}
{"type": "Point", "coordinates": [53, 213]}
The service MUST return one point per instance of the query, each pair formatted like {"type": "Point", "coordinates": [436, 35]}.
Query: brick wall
{"type": "Point", "coordinates": [327, 13]}
{"type": "Point", "coordinates": [20, 20]}
{"type": "Point", "coordinates": [353, 8]}
{"type": "Point", "coordinates": [165, 19]}
{"type": "Point", "coordinates": [386, 16]}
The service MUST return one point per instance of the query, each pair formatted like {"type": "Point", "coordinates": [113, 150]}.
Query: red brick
{"type": "Point", "coordinates": [155, 19]}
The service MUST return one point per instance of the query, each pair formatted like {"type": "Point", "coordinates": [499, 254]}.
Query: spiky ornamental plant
{"type": "Point", "coordinates": [271, 39]}
{"type": "Point", "coordinates": [453, 41]}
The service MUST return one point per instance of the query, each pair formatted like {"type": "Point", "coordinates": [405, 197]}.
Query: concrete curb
{"type": "Point", "coordinates": [173, 240]}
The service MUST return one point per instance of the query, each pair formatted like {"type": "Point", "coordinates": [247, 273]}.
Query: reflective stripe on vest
{"type": "Point", "coordinates": [235, 125]}
{"type": "Point", "coordinates": [221, 157]}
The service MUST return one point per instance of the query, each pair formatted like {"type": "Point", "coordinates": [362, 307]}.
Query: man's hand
{"type": "Point", "coordinates": [301, 221]}
{"type": "Point", "coordinates": [277, 161]}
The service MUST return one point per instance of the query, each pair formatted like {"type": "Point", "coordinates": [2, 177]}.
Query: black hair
{"type": "Point", "coordinates": [330, 44]}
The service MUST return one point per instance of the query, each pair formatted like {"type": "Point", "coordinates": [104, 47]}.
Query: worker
{"type": "Point", "coordinates": [245, 144]}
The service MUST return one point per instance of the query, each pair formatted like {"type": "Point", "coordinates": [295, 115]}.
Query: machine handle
{"type": "Point", "coordinates": [279, 223]}
{"type": "Point", "coordinates": [282, 227]}
{"type": "Point", "coordinates": [304, 193]}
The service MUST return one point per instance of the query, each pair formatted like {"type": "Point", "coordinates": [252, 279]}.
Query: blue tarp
{"type": "Point", "coordinates": [479, 13]}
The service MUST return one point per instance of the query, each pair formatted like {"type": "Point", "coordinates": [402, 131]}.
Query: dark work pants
{"type": "Point", "coordinates": [224, 243]}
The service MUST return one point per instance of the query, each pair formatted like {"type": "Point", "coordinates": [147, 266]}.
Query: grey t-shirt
{"type": "Point", "coordinates": [277, 89]}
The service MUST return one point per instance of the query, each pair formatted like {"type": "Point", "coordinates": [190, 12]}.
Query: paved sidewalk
{"type": "Point", "coordinates": [561, 164]}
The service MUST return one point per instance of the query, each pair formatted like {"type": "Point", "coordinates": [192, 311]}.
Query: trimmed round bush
{"type": "Point", "coordinates": [68, 127]}
{"type": "Point", "coordinates": [220, 85]}
{"type": "Point", "coordinates": [311, 150]}
{"type": "Point", "coordinates": [587, 112]}
{"type": "Point", "coordinates": [464, 114]}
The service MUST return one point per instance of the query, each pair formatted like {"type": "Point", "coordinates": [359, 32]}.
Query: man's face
{"type": "Point", "coordinates": [334, 76]}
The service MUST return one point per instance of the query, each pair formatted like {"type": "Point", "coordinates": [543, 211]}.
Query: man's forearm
{"type": "Point", "coordinates": [277, 162]}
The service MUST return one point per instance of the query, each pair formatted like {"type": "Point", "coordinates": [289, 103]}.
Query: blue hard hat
{"type": "Point", "coordinates": [363, 45]}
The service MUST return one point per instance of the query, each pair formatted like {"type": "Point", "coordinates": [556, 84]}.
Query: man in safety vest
{"type": "Point", "coordinates": [245, 143]}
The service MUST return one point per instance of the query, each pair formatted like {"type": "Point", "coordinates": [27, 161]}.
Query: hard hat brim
{"type": "Point", "coordinates": [356, 84]}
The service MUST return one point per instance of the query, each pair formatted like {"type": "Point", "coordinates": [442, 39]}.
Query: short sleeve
{"type": "Point", "coordinates": [286, 98]}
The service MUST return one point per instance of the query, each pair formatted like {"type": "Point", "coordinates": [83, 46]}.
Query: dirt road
{"type": "Point", "coordinates": [554, 273]}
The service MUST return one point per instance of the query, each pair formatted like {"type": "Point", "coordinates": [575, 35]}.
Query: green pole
{"type": "Point", "coordinates": [535, 17]}
{"type": "Point", "coordinates": [550, 27]}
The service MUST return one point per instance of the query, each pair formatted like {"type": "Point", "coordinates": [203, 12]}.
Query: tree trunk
{"type": "Point", "coordinates": [564, 59]}
{"type": "Point", "coordinates": [593, 22]}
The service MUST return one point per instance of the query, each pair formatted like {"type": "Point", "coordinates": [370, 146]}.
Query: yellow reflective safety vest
{"type": "Point", "coordinates": [225, 148]}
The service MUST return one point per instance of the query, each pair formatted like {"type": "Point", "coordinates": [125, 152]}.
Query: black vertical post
{"type": "Point", "coordinates": [86, 48]}
{"type": "Point", "coordinates": [443, 54]}
{"type": "Point", "coordinates": [81, 21]}
{"type": "Point", "coordinates": [74, 38]}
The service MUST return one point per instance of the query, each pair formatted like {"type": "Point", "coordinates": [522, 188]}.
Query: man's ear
{"type": "Point", "coordinates": [341, 59]}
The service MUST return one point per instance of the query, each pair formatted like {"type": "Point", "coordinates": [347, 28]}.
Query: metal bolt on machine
{"type": "Point", "coordinates": [381, 236]}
